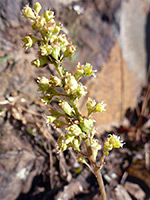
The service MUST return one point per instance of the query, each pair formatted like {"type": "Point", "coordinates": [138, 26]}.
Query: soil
{"type": "Point", "coordinates": [30, 167]}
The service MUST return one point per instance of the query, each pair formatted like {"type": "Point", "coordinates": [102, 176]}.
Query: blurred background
{"type": "Point", "coordinates": [114, 36]}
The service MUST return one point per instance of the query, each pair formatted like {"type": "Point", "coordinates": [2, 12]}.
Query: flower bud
{"type": "Point", "coordinates": [95, 152]}
{"type": "Point", "coordinates": [37, 7]}
{"type": "Point", "coordinates": [55, 81]}
{"type": "Point", "coordinates": [48, 15]}
{"type": "Point", "coordinates": [95, 147]}
{"type": "Point", "coordinates": [107, 146]}
{"type": "Point", "coordinates": [39, 23]}
{"type": "Point", "coordinates": [53, 38]}
{"type": "Point", "coordinates": [65, 106]}
{"type": "Point", "coordinates": [71, 84]}
{"type": "Point", "coordinates": [62, 39]}
{"type": "Point", "coordinates": [49, 28]}
{"type": "Point", "coordinates": [86, 125]}
{"type": "Point", "coordinates": [57, 29]}
{"type": "Point", "coordinates": [90, 105]}
{"type": "Point", "coordinates": [35, 25]}
{"type": "Point", "coordinates": [61, 142]}
{"type": "Point", "coordinates": [70, 50]}
{"type": "Point", "coordinates": [40, 62]}
{"type": "Point", "coordinates": [28, 13]}
{"type": "Point", "coordinates": [88, 70]}
{"type": "Point", "coordinates": [74, 130]}
{"type": "Point", "coordinates": [63, 42]}
{"type": "Point", "coordinates": [55, 52]}
{"type": "Point", "coordinates": [27, 42]}
{"type": "Point", "coordinates": [79, 70]}
{"type": "Point", "coordinates": [68, 138]}
{"type": "Point", "coordinates": [76, 144]}
{"type": "Point", "coordinates": [50, 119]}
{"type": "Point", "coordinates": [46, 50]}
{"type": "Point", "coordinates": [43, 84]}
{"type": "Point", "coordinates": [63, 147]}
{"type": "Point", "coordinates": [81, 90]}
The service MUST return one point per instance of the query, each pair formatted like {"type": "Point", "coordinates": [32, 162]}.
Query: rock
{"type": "Point", "coordinates": [132, 38]}
{"type": "Point", "coordinates": [113, 87]}
{"type": "Point", "coordinates": [18, 164]}
{"type": "Point", "coordinates": [10, 12]}
{"type": "Point", "coordinates": [121, 193]}
{"type": "Point", "coordinates": [17, 176]}
{"type": "Point", "coordinates": [138, 170]}
{"type": "Point", "coordinates": [119, 57]}
{"type": "Point", "coordinates": [135, 190]}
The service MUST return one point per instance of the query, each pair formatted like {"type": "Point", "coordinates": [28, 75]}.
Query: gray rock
{"type": "Point", "coordinates": [132, 37]}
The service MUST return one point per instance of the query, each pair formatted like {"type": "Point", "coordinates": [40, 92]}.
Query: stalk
{"type": "Point", "coordinates": [100, 183]}
{"type": "Point", "coordinates": [58, 69]}
{"type": "Point", "coordinates": [74, 107]}
{"type": "Point", "coordinates": [96, 170]}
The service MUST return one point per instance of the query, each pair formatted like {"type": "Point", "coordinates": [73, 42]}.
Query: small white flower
{"type": "Point", "coordinates": [117, 141]}
{"type": "Point", "coordinates": [103, 105]}
{"type": "Point", "coordinates": [79, 10]}
{"type": "Point", "coordinates": [100, 107]}
{"type": "Point", "coordinates": [94, 75]}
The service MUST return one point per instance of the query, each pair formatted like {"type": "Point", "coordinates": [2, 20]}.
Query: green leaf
{"type": "Point", "coordinates": [5, 58]}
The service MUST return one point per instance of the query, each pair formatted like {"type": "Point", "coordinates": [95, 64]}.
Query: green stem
{"type": "Point", "coordinates": [96, 170]}
{"type": "Point", "coordinates": [102, 161]}
{"type": "Point", "coordinates": [72, 101]}
{"type": "Point", "coordinates": [42, 34]}
{"type": "Point", "coordinates": [74, 107]}
{"type": "Point", "coordinates": [59, 70]}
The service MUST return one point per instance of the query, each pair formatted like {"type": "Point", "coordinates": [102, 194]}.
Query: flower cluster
{"type": "Point", "coordinates": [71, 138]}
{"type": "Point", "coordinates": [54, 46]}
{"type": "Point", "coordinates": [84, 71]}
{"type": "Point", "coordinates": [112, 142]}
{"type": "Point", "coordinates": [66, 88]}
{"type": "Point", "coordinates": [92, 107]}
{"type": "Point", "coordinates": [86, 125]}
{"type": "Point", "coordinates": [72, 87]}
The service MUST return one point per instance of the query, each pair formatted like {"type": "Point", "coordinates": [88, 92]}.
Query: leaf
{"type": "Point", "coordinates": [5, 58]}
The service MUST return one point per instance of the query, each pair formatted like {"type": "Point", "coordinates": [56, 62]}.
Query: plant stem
{"type": "Point", "coordinates": [58, 69]}
{"type": "Point", "coordinates": [100, 183]}
{"type": "Point", "coordinates": [73, 103]}
{"type": "Point", "coordinates": [96, 170]}
{"type": "Point", "coordinates": [102, 161]}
